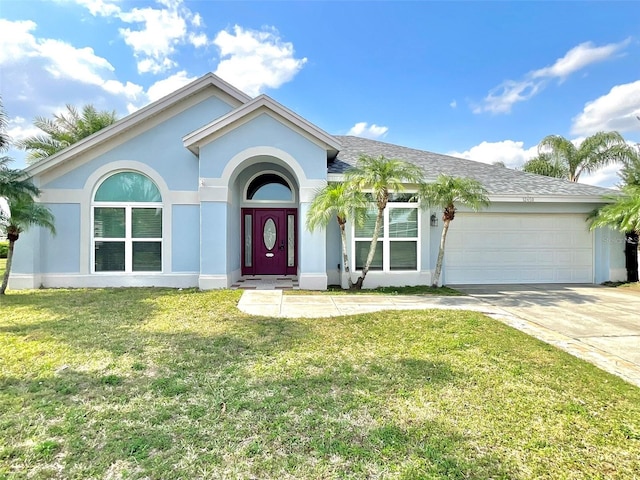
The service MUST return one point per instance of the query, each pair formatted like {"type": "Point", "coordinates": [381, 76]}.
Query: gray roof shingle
{"type": "Point", "coordinates": [497, 180]}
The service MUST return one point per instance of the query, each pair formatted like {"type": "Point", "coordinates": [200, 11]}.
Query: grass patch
{"type": "Point", "coordinates": [153, 383]}
{"type": "Point", "coordinates": [407, 290]}
{"type": "Point", "coordinates": [3, 267]}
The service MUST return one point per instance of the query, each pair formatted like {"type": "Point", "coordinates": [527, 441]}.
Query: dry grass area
{"type": "Point", "coordinates": [153, 383]}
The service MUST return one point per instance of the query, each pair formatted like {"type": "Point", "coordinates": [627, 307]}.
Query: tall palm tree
{"type": "Point", "coordinates": [64, 130]}
{"type": "Point", "coordinates": [445, 193]}
{"type": "Point", "coordinates": [343, 201]}
{"type": "Point", "coordinates": [595, 152]}
{"type": "Point", "coordinates": [24, 213]}
{"type": "Point", "coordinates": [380, 176]}
{"type": "Point", "coordinates": [545, 164]}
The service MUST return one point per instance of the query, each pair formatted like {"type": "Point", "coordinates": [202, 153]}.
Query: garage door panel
{"type": "Point", "coordinates": [519, 248]}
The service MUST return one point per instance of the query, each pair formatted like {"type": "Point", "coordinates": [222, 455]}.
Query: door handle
{"type": "Point", "coordinates": [281, 247]}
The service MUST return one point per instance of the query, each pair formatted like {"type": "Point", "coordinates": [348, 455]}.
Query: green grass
{"type": "Point", "coordinates": [162, 384]}
{"type": "Point", "coordinates": [3, 265]}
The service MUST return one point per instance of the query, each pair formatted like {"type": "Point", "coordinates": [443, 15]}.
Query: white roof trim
{"type": "Point", "coordinates": [136, 118]}
{"type": "Point", "coordinates": [193, 140]}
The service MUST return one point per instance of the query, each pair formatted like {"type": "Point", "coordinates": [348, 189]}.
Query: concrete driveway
{"type": "Point", "coordinates": [600, 324]}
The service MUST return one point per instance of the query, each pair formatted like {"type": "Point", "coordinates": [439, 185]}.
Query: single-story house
{"type": "Point", "coordinates": [208, 185]}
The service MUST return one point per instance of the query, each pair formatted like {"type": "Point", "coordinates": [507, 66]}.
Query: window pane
{"type": "Point", "coordinates": [403, 222]}
{"type": "Point", "coordinates": [128, 187]}
{"type": "Point", "coordinates": [362, 250]}
{"type": "Point", "coordinates": [291, 244]}
{"type": "Point", "coordinates": [146, 222]}
{"type": "Point", "coordinates": [366, 230]}
{"type": "Point", "coordinates": [248, 241]}
{"type": "Point", "coordinates": [402, 197]}
{"type": "Point", "coordinates": [269, 187]}
{"type": "Point", "coordinates": [147, 256]}
{"type": "Point", "coordinates": [108, 222]}
{"type": "Point", "coordinates": [404, 255]}
{"type": "Point", "coordinates": [109, 257]}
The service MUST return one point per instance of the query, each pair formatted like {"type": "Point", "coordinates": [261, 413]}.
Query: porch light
{"type": "Point", "coordinates": [434, 220]}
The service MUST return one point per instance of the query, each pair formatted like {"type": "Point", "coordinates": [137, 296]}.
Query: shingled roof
{"type": "Point", "coordinates": [497, 180]}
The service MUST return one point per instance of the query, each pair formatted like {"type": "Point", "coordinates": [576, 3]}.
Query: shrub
{"type": "Point", "coordinates": [4, 248]}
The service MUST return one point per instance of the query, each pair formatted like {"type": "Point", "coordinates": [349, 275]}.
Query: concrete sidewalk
{"type": "Point", "coordinates": [272, 303]}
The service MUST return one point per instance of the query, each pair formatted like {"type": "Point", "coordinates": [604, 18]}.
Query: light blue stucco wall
{"type": "Point", "coordinates": [26, 253]}
{"type": "Point", "coordinates": [160, 147]}
{"type": "Point", "coordinates": [334, 251]}
{"type": "Point", "coordinates": [37, 251]}
{"type": "Point", "coordinates": [61, 253]}
{"type": "Point", "coordinates": [213, 243]}
{"type": "Point", "coordinates": [185, 238]}
{"type": "Point", "coordinates": [260, 132]}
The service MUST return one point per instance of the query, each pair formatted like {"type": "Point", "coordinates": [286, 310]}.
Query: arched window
{"type": "Point", "coordinates": [127, 224]}
{"type": "Point", "coordinates": [269, 186]}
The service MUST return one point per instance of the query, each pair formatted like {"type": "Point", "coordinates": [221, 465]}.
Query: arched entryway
{"type": "Point", "coordinates": [269, 225]}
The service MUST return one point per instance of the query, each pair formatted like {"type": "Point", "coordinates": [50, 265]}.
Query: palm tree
{"type": "Point", "coordinates": [545, 164]}
{"type": "Point", "coordinates": [24, 213]}
{"type": "Point", "coordinates": [444, 193]}
{"type": "Point", "coordinates": [595, 152]}
{"type": "Point", "coordinates": [12, 182]}
{"type": "Point", "coordinates": [343, 201]}
{"type": "Point", "coordinates": [623, 215]}
{"type": "Point", "coordinates": [380, 175]}
{"type": "Point", "coordinates": [64, 130]}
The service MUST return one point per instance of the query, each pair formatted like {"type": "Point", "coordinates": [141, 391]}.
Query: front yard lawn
{"type": "Point", "coordinates": [166, 384]}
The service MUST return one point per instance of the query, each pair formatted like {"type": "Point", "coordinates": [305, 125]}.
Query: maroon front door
{"type": "Point", "coordinates": [269, 241]}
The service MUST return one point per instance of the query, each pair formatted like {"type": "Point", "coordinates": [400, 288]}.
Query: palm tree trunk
{"type": "Point", "coordinates": [372, 249]}
{"type": "Point", "coordinates": [443, 239]}
{"type": "Point", "coordinates": [5, 279]}
{"type": "Point", "coordinates": [345, 256]}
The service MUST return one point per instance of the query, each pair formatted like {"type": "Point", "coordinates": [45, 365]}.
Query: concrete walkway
{"type": "Point", "coordinates": [272, 303]}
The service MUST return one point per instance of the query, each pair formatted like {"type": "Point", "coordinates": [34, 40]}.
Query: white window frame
{"type": "Point", "coordinates": [128, 237]}
{"type": "Point", "coordinates": [386, 240]}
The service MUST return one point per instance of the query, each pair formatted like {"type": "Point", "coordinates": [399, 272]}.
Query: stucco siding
{"type": "Point", "coordinates": [61, 253]}
{"type": "Point", "coordinates": [262, 131]}
{"type": "Point", "coordinates": [160, 147]}
{"type": "Point", "coordinates": [213, 245]}
{"type": "Point", "coordinates": [185, 238]}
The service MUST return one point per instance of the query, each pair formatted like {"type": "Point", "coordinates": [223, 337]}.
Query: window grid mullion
{"type": "Point", "coordinates": [128, 245]}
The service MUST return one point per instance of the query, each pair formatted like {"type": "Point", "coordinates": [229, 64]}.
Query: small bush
{"type": "Point", "coordinates": [4, 249]}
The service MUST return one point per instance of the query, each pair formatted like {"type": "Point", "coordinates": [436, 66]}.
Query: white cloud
{"type": "Point", "coordinates": [18, 45]}
{"type": "Point", "coordinates": [105, 8]}
{"type": "Point", "coordinates": [502, 98]}
{"type": "Point", "coordinates": [577, 58]}
{"type": "Point", "coordinates": [363, 129]}
{"type": "Point", "coordinates": [617, 110]}
{"type": "Point", "coordinates": [453, 104]}
{"type": "Point", "coordinates": [153, 33]}
{"type": "Point", "coordinates": [19, 128]}
{"type": "Point", "coordinates": [256, 60]}
{"type": "Point", "coordinates": [605, 177]}
{"type": "Point", "coordinates": [168, 85]}
{"type": "Point", "coordinates": [161, 30]}
{"type": "Point", "coordinates": [512, 153]}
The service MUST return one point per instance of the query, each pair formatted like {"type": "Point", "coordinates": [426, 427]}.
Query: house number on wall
{"type": "Point", "coordinates": [527, 199]}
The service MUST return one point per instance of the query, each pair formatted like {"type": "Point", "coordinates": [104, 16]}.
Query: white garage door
{"type": "Point", "coordinates": [518, 248]}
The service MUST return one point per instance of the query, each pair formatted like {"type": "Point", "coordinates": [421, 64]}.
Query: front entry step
{"type": "Point", "coordinates": [266, 282]}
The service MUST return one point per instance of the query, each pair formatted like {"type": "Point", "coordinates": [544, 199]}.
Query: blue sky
{"type": "Point", "coordinates": [482, 80]}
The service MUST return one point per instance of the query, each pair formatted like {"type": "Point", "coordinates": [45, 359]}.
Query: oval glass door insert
{"type": "Point", "coordinates": [269, 234]}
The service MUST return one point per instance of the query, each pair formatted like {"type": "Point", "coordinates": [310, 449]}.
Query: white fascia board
{"type": "Point", "coordinates": [335, 177]}
{"type": "Point", "coordinates": [533, 198]}
{"type": "Point", "coordinates": [193, 140]}
{"type": "Point", "coordinates": [136, 118]}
